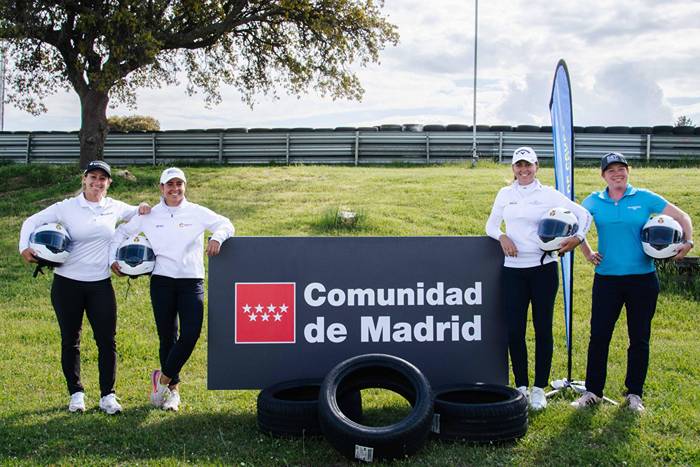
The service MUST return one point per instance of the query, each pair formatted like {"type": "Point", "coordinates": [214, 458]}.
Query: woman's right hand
{"type": "Point", "coordinates": [507, 245]}
{"type": "Point", "coordinates": [28, 255]}
{"type": "Point", "coordinates": [593, 257]}
{"type": "Point", "coordinates": [117, 270]}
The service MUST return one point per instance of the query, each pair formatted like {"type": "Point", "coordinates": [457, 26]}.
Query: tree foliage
{"type": "Point", "coordinates": [684, 120]}
{"type": "Point", "coordinates": [133, 123]}
{"type": "Point", "coordinates": [107, 49]}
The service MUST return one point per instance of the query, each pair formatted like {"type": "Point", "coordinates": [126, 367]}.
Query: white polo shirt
{"type": "Point", "coordinates": [90, 226]}
{"type": "Point", "coordinates": [176, 235]}
{"type": "Point", "coordinates": [522, 207]}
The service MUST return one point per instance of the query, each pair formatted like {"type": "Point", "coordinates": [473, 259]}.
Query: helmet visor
{"type": "Point", "coordinates": [549, 229]}
{"type": "Point", "coordinates": [660, 236]}
{"type": "Point", "coordinates": [55, 242]}
{"type": "Point", "coordinates": [134, 255]}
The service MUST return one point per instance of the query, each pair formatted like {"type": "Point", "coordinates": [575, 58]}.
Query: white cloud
{"type": "Point", "coordinates": [631, 63]}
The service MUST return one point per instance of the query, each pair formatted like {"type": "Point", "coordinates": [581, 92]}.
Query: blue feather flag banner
{"type": "Point", "coordinates": [561, 111]}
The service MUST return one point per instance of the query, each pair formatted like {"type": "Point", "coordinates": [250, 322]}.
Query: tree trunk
{"type": "Point", "coordinates": [93, 126]}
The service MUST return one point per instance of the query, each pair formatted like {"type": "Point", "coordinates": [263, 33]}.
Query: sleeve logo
{"type": "Point", "coordinates": [265, 313]}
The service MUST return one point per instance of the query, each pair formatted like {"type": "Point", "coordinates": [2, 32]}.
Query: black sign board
{"type": "Point", "coordinates": [284, 308]}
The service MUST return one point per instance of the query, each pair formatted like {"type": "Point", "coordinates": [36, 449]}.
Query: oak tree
{"type": "Point", "coordinates": [105, 49]}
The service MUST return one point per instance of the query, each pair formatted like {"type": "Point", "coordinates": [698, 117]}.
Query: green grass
{"type": "Point", "coordinates": [218, 427]}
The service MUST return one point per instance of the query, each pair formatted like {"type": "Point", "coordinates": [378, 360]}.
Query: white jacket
{"type": "Point", "coordinates": [90, 227]}
{"type": "Point", "coordinates": [176, 235]}
{"type": "Point", "coordinates": [522, 208]}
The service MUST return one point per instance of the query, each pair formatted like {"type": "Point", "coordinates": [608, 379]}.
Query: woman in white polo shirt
{"type": "Point", "coordinates": [529, 276]}
{"type": "Point", "coordinates": [82, 284]}
{"type": "Point", "coordinates": [175, 228]}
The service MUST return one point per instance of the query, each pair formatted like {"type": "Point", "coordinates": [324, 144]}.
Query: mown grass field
{"type": "Point", "coordinates": [218, 427]}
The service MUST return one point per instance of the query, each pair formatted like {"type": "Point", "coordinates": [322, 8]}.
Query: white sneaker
{"type": "Point", "coordinates": [110, 405]}
{"type": "Point", "coordinates": [634, 403]}
{"type": "Point", "coordinates": [159, 392]}
{"type": "Point", "coordinates": [172, 402]}
{"type": "Point", "coordinates": [538, 400]}
{"type": "Point", "coordinates": [77, 402]}
{"type": "Point", "coordinates": [588, 399]}
{"type": "Point", "coordinates": [523, 390]}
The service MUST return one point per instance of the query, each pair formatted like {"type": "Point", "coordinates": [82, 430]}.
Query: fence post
{"type": "Point", "coordinates": [357, 146]}
{"type": "Point", "coordinates": [29, 148]}
{"type": "Point", "coordinates": [153, 148]}
{"type": "Point", "coordinates": [427, 148]}
{"type": "Point", "coordinates": [648, 147]}
{"type": "Point", "coordinates": [287, 149]}
{"type": "Point", "coordinates": [221, 147]}
{"type": "Point", "coordinates": [500, 147]}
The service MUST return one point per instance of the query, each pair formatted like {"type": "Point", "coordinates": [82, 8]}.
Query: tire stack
{"type": "Point", "coordinates": [480, 413]}
{"type": "Point", "coordinates": [333, 408]}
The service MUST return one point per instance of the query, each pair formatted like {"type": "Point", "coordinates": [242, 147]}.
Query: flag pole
{"type": "Point", "coordinates": [475, 156]}
{"type": "Point", "coordinates": [561, 111]}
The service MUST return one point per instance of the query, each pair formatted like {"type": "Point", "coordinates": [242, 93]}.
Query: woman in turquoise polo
{"type": "Point", "coordinates": [624, 275]}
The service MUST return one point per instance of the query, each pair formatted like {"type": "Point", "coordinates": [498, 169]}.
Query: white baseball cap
{"type": "Point", "coordinates": [524, 153]}
{"type": "Point", "coordinates": [169, 174]}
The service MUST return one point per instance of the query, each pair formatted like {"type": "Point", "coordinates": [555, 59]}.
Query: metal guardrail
{"type": "Point", "coordinates": [354, 146]}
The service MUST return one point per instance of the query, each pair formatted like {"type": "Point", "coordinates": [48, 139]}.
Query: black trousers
{"type": "Point", "coordinates": [520, 287]}
{"type": "Point", "coordinates": [177, 301]}
{"type": "Point", "coordinates": [70, 299]}
{"type": "Point", "coordinates": [638, 293]}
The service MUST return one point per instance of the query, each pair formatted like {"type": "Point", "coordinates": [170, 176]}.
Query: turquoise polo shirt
{"type": "Point", "coordinates": [619, 225]}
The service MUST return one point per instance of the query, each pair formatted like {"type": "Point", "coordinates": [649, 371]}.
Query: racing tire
{"type": "Point", "coordinates": [367, 443]}
{"type": "Point", "coordinates": [390, 127]}
{"type": "Point", "coordinates": [412, 127]}
{"type": "Point", "coordinates": [500, 128]}
{"type": "Point", "coordinates": [479, 413]}
{"type": "Point", "coordinates": [683, 130]}
{"type": "Point", "coordinates": [527, 129]}
{"type": "Point", "coordinates": [618, 130]}
{"type": "Point", "coordinates": [458, 127]}
{"type": "Point", "coordinates": [290, 408]}
{"type": "Point", "coordinates": [662, 130]}
{"type": "Point", "coordinates": [640, 130]}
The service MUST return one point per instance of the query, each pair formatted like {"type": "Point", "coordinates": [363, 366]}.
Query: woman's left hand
{"type": "Point", "coordinates": [569, 244]}
{"type": "Point", "coordinates": [144, 208]}
{"type": "Point", "coordinates": [682, 250]}
{"type": "Point", "coordinates": [213, 248]}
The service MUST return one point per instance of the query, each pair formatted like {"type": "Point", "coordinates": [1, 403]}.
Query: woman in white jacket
{"type": "Point", "coordinates": [175, 228]}
{"type": "Point", "coordinates": [82, 285]}
{"type": "Point", "coordinates": [529, 276]}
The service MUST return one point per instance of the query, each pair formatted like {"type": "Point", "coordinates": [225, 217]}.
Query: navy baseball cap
{"type": "Point", "coordinates": [612, 158]}
{"type": "Point", "coordinates": [99, 165]}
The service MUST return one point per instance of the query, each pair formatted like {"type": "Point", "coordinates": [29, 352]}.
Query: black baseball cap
{"type": "Point", "coordinates": [612, 158]}
{"type": "Point", "coordinates": [99, 165]}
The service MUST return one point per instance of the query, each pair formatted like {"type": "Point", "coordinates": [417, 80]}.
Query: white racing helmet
{"type": "Point", "coordinates": [51, 244]}
{"type": "Point", "coordinates": [556, 225]}
{"type": "Point", "coordinates": [135, 256]}
{"type": "Point", "coordinates": [661, 236]}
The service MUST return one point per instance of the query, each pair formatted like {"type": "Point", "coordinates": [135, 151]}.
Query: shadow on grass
{"type": "Point", "coordinates": [587, 432]}
{"type": "Point", "coordinates": [142, 434]}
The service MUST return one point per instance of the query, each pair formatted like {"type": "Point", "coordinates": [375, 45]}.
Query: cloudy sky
{"type": "Point", "coordinates": [631, 63]}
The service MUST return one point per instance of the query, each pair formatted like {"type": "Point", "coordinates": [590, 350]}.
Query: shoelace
{"type": "Point", "coordinates": [590, 400]}
{"type": "Point", "coordinates": [112, 402]}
